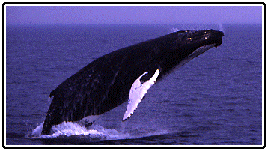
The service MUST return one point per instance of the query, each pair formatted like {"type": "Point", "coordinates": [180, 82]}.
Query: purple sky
{"type": "Point", "coordinates": [132, 14]}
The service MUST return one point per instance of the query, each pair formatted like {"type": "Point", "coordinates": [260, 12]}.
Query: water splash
{"type": "Point", "coordinates": [74, 132]}
{"type": "Point", "coordinates": [68, 129]}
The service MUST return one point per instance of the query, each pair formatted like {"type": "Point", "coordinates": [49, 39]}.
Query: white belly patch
{"type": "Point", "coordinates": [137, 92]}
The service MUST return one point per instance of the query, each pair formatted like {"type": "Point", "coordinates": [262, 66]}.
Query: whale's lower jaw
{"type": "Point", "coordinates": [195, 54]}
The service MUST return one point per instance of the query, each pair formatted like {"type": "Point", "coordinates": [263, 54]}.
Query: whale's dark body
{"type": "Point", "coordinates": [105, 83]}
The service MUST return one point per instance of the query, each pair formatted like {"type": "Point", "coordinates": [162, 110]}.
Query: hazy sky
{"type": "Point", "coordinates": [132, 14]}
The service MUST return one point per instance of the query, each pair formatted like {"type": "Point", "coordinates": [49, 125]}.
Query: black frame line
{"type": "Point", "coordinates": [125, 146]}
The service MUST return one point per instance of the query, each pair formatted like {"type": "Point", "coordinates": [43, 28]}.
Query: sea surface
{"type": "Point", "coordinates": [215, 99]}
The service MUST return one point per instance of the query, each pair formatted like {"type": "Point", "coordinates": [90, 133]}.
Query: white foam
{"type": "Point", "coordinates": [68, 129]}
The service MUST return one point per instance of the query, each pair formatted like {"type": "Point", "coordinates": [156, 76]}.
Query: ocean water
{"type": "Point", "coordinates": [215, 99]}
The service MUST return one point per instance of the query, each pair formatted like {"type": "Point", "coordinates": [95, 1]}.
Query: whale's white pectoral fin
{"type": "Point", "coordinates": [137, 92]}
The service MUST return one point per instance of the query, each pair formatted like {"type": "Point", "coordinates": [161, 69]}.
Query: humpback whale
{"type": "Point", "coordinates": [124, 75]}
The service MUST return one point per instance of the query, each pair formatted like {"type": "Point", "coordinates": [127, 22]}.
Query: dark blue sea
{"type": "Point", "coordinates": [215, 99]}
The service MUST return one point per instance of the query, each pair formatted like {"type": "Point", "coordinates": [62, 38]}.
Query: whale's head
{"type": "Point", "coordinates": [199, 38]}
{"type": "Point", "coordinates": [187, 41]}
{"type": "Point", "coordinates": [179, 47]}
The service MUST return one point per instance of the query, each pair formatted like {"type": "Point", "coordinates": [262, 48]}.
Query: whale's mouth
{"type": "Point", "coordinates": [196, 53]}
{"type": "Point", "coordinates": [201, 50]}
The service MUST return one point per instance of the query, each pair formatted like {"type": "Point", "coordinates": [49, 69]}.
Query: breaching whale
{"type": "Point", "coordinates": [124, 75]}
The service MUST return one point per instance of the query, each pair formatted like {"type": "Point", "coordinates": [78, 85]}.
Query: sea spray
{"type": "Point", "coordinates": [68, 129]}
